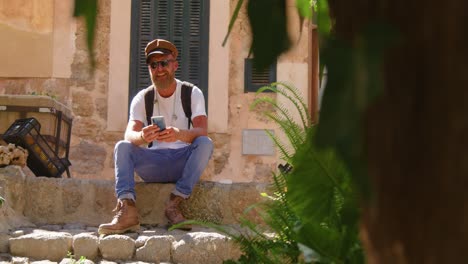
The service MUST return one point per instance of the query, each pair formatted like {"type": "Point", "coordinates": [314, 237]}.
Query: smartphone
{"type": "Point", "coordinates": [159, 121]}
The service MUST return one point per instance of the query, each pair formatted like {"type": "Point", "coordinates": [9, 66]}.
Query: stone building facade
{"type": "Point", "coordinates": [43, 50]}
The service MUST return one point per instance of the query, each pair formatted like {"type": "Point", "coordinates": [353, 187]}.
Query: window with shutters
{"type": "Point", "coordinates": [184, 23]}
{"type": "Point", "coordinates": [254, 79]}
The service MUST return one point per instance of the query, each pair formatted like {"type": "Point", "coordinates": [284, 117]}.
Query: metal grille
{"type": "Point", "coordinates": [254, 79]}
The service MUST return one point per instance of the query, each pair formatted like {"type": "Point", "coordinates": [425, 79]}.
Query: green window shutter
{"type": "Point", "coordinates": [255, 79]}
{"type": "Point", "coordinates": [184, 23]}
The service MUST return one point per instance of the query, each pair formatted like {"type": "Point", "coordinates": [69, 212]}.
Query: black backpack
{"type": "Point", "coordinates": [185, 96]}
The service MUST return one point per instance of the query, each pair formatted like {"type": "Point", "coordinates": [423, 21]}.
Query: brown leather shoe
{"type": "Point", "coordinates": [173, 213]}
{"type": "Point", "coordinates": [126, 219]}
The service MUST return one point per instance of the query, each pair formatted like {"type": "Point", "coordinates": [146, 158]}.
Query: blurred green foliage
{"type": "Point", "coordinates": [270, 37]}
{"type": "Point", "coordinates": [88, 10]}
{"type": "Point", "coordinates": [354, 82]}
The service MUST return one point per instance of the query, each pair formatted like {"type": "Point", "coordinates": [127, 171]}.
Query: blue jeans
{"type": "Point", "coordinates": [182, 166]}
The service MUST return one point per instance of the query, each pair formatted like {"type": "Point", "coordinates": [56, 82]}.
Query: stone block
{"type": "Point", "coordinates": [42, 245]}
{"type": "Point", "coordinates": [19, 260]}
{"type": "Point", "coordinates": [156, 249]}
{"type": "Point", "coordinates": [85, 245]}
{"type": "Point", "coordinates": [140, 241]}
{"type": "Point", "coordinates": [117, 247]}
{"type": "Point", "coordinates": [12, 185]}
{"type": "Point", "coordinates": [88, 157]}
{"type": "Point", "coordinates": [44, 199]}
{"type": "Point", "coordinates": [203, 247]}
{"type": "Point", "coordinates": [82, 103]}
{"type": "Point", "coordinates": [4, 243]}
{"type": "Point", "coordinates": [86, 128]}
{"type": "Point", "coordinates": [151, 198]}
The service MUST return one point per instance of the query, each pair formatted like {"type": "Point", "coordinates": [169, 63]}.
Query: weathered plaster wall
{"type": "Point", "coordinates": [86, 93]}
{"type": "Point", "coordinates": [291, 67]}
{"type": "Point", "coordinates": [26, 27]}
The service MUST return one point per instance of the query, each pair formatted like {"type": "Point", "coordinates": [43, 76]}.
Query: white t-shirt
{"type": "Point", "coordinates": [173, 112]}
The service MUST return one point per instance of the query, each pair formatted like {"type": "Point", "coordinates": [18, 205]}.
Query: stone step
{"type": "Point", "coordinates": [64, 244]}
{"type": "Point", "coordinates": [45, 219]}
{"type": "Point", "coordinates": [42, 200]}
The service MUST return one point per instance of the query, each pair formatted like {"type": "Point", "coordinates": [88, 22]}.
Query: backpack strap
{"type": "Point", "coordinates": [149, 104]}
{"type": "Point", "coordinates": [186, 98]}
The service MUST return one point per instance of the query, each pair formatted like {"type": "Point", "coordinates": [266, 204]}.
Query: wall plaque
{"type": "Point", "coordinates": [257, 142]}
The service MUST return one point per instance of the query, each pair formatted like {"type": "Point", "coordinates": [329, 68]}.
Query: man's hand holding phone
{"type": "Point", "coordinates": [165, 134]}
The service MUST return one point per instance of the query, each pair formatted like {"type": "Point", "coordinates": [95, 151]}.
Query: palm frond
{"type": "Point", "coordinates": [233, 19]}
{"type": "Point", "coordinates": [285, 153]}
{"type": "Point", "coordinates": [285, 149]}
{"type": "Point", "coordinates": [294, 134]}
{"type": "Point", "coordinates": [329, 215]}
{"type": "Point", "coordinates": [285, 90]}
{"type": "Point", "coordinates": [281, 110]}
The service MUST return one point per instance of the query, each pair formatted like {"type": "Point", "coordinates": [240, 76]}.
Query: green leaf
{"type": "Point", "coordinates": [233, 19]}
{"type": "Point", "coordinates": [305, 8]}
{"type": "Point", "coordinates": [323, 19]}
{"type": "Point", "coordinates": [322, 195]}
{"type": "Point", "coordinates": [270, 37]}
{"type": "Point", "coordinates": [291, 94]}
{"type": "Point", "coordinates": [354, 82]}
{"type": "Point", "coordinates": [88, 10]}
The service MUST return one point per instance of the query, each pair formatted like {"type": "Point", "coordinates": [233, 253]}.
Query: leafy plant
{"type": "Point", "coordinates": [322, 195]}
{"type": "Point", "coordinates": [82, 260]}
{"type": "Point", "coordinates": [295, 131]}
{"type": "Point", "coordinates": [70, 256]}
{"type": "Point", "coordinates": [312, 212]}
{"type": "Point", "coordinates": [319, 192]}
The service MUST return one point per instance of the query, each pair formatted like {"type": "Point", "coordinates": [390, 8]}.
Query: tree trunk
{"type": "Point", "coordinates": [417, 133]}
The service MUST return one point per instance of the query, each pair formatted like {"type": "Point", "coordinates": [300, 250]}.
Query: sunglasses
{"type": "Point", "coordinates": [163, 63]}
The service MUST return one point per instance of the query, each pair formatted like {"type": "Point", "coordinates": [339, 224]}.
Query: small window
{"type": "Point", "coordinates": [255, 79]}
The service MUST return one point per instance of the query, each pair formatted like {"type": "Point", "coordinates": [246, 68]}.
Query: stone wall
{"type": "Point", "coordinates": [92, 145]}
{"type": "Point", "coordinates": [85, 93]}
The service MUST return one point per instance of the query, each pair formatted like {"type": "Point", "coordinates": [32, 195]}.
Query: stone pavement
{"type": "Point", "coordinates": [69, 243]}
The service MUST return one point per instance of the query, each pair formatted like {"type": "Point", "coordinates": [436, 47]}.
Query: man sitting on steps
{"type": "Point", "coordinates": [179, 153]}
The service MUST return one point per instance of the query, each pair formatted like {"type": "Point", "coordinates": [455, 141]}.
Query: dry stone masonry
{"type": "Point", "coordinates": [53, 243]}
{"type": "Point", "coordinates": [54, 220]}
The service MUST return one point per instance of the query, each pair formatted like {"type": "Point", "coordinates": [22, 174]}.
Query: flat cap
{"type": "Point", "coordinates": [160, 46]}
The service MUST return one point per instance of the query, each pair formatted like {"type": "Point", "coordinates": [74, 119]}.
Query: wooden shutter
{"type": "Point", "coordinates": [184, 23]}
